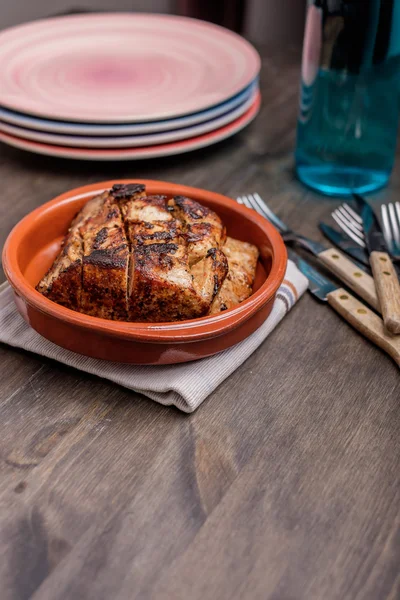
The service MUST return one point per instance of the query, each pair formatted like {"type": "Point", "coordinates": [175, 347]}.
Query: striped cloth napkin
{"type": "Point", "coordinates": [183, 385]}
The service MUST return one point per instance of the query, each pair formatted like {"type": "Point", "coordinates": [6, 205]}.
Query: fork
{"type": "Point", "coordinates": [348, 272]}
{"type": "Point", "coordinates": [391, 228]}
{"type": "Point", "coordinates": [351, 223]}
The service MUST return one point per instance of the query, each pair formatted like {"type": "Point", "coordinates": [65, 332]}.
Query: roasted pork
{"type": "Point", "coordinates": [238, 284]}
{"type": "Point", "coordinates": [132, 257]}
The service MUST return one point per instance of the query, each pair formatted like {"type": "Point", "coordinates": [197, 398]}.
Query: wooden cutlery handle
{"type": "Point", "coordinates": [365, 321]}
{"type": "Point", "coordinates": [388, 289]}
{"type": "Point", "coordinates": [360, 282]}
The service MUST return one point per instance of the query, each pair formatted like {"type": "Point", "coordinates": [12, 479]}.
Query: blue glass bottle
{"type": "Point", "coordinates": [349, 99]}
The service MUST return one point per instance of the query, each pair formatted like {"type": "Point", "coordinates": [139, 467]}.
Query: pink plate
{"type": "Point", "coordinates": [195, 143]}
{"type": "Point", "coordinates": [121, 67]}
{"type": "Point", "coordinates": [129, 141]}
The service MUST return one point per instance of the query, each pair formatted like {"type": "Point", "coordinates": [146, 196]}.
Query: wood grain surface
{"type": "Point", "coordinates": [284, 485]}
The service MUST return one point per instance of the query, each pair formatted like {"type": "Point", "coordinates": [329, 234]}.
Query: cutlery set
{"type": "Point", "coordinates": [371, 249]}
{"type": "Point", "coordinates": [365, 225]}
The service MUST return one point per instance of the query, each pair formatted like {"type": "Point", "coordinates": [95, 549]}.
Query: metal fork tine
{"type": "Point", "coordinates": [337, 217]}
{"type": "Point", "coordinates": [246, 202]}
{"type": "Point", "coordinates": [349, 220]}
{"type": "Point", "coordinates": [350, 215]}
{"type": "Point", "coordinates": [398, 211]}
{"type": "Point", "coordinates": [271, 216]}
{"type": "Point", "coordinates": [387, 231]}
{"type": "Point", "coordinates": [258, 207]}
{"type": "Point", "coordinates": [255, 202]}
{"type": "Point", "coordinates": [349, 223]}
{"type": "Point", "coordinates": [353, 213]}
{"type": "Point", "coordinates": [395, 226]}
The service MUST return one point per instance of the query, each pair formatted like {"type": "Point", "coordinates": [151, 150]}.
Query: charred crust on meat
{"type": "Point", "coordinates": [100, 238]}
{"type": "Point", "coordinates": [69, 269]}
{"type": "Point", "coordinates": [158, 235]}
{"type": "Point", "coordinates": [158, 249]}
{"type": "Point", "coordinates": [201, 231]}
{"type": "Point", "coordinates": [212, 252]}
{"type": "Point", "coordinates": [121, 191]}
{"type": "Point", "coordinates": [108, 259]}
{"type": "Point", "coordinates": [191, 208]}
{"type": "Point", "coordinates": [112, 214]}
{"type": "Point", "coordinates": [158, 199]}
{"type": "Point", "coordinates": [216, 285]}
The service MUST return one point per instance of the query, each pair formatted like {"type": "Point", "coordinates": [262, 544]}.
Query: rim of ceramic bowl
{"type": "Point", "coordinates": [179, 331]}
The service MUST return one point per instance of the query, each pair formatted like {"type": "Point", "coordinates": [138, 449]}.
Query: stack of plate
{"type": "Point", "coordinates": [124, 86]}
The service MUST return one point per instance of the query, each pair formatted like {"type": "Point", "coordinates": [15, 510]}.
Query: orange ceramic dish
{"type": "Point", "coordinates": [35, 241]}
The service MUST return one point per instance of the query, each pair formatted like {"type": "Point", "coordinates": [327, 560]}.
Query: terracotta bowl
{"type": "Point", "coordinates": [35, 241]}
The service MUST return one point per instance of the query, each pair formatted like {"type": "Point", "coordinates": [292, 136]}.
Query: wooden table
{"type": "Point", "coordinates": [283, 485]}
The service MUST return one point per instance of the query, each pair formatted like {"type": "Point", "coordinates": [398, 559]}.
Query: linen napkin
{"type": "Point", "coordinates": [184, 385]}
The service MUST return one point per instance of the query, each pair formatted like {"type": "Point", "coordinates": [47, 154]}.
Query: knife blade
{"type": "Point", "coordinates": [346, 244]}
{"type": "Point", "coordinates": [385, 277]}
{"type": "Point", "coordinates": [374, 238]}
{"type": "Point", "coordinates": [364, 320]}
{"type": "Point", "coordinates": [318, 285]}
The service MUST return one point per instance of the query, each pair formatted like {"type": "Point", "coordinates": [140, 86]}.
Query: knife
{"type": "Point", "coordinates": [385, 277]}
{"type": "Point", "coordinates": [347, 271]}
{"type": "Point", "coordinates": [352, 310]}
{"type": "Point", "coordinates": [346, 244]}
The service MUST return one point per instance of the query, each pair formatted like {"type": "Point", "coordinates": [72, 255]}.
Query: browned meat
{"type": "Point", "coordinates": [63, 281]}
{"type": "Point", "coordinates": [209, 273]}
{"type": "Point", "coordinates": [161, 286]}
{"type": "Point", "coordinates": [105, 263]}
{"type": "Point", "coordinates": [203, 227]}
{"type": "Point", "coordinates": [238, 285]}
{"type": "Point", "coordinates": [129, 256]}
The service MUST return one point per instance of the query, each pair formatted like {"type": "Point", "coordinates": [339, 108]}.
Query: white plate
{"type": "Point", "coordinates": [137, 153]}
{"type": "Point", "coordinates": [116, 67]}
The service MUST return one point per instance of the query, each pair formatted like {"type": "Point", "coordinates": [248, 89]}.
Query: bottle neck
{"type": "Point", "coordinates": [358, 34]}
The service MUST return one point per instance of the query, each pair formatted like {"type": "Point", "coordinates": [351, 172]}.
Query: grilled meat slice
{"type": "Point", "coordinates": [126, 191]}
{"type": "Point", "coordinates": [238, 285]}
{"type": "Point", "coordinates": [105, 263]}
{"type": "Point", "coordinates": [148, 220]}
{"type": "Point", "coordinates": [63, 281]}
{"type": "Point", "coordinates": [161, 286]}
{"type": "Point", "coordinates": [145, 209]}
{"type": "Point", "coordinates": [203, 227]}
{"type": "Point", "coordinates": [123, 194]}
{"type": "Point", "coordinates": [164, 289]}
{"type": "Point", "coordinates": [209, 274]}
